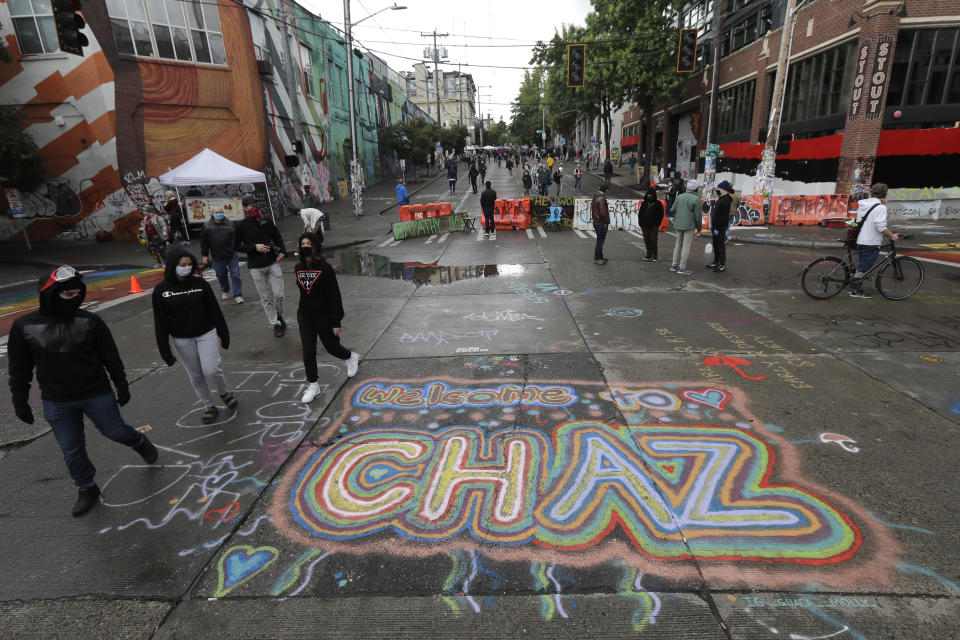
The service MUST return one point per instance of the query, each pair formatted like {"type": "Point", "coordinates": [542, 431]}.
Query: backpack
{"type": "Point", "coordinates": [853, 229]}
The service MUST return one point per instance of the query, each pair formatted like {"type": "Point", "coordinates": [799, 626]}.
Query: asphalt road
{"type": "Point", "coordinates": [534, 446]}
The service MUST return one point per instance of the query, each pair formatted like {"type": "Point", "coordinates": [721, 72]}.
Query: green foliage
{"type": "Point", "coordinates": [412, 140]}
{"type": "Point", "coordinates": [525, 110]}
{"type": "Point", "coordinates": [20, 164]}
{"type": "Point", "coordinates": [454, 138]}
{"type": "Point", "coordinates": [498, 134]}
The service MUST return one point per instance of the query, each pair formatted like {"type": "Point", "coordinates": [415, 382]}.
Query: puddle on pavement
{"type": "Point", "coordinates": [354, 262]}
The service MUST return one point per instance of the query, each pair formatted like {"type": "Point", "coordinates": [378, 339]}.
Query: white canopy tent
{"type": "Point", "coordinates": [209, 167]}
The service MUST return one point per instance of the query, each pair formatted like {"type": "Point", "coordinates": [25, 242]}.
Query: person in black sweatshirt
{"type": "Point", "coordinates": [649, 218]}
{"type": "Point", "coordinates": [320, 312]}
{"type": "Point", "coordinates": [185, 311]}
{"type": "Point", "coordinates": [261, 239]}
{"type": "Point", "coordinates": [73, 352]}
{"type": "Point", "coordinates": [719, 222]}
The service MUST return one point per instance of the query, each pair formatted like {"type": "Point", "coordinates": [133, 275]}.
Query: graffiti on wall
{"type": "Point", "coordinates": [807, 210]}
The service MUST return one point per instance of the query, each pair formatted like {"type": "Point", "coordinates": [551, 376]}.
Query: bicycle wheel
{"type": "Point", "coordinates": [825, 277]}
{"type": "Point", "coordinates": [900, 278]}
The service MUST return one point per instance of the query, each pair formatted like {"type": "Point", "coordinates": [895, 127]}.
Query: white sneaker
{"type": "Point", "coordinates": [238, 300]}
{"type": "Point", "coordinates": [352, 363]}
{"type": "Point", "coordinates": [224, 295]}
{"type": "Point", "coordinates": [312, 391]}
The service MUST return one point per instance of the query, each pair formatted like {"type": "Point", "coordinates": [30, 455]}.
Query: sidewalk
{"type": "Point", "coordinates": [346, 229]}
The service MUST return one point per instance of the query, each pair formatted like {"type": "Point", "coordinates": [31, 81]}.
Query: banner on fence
{"type": "Point", "coordinates": [429, 226]}
{"type": "Point", "coordinates": [808, 210]}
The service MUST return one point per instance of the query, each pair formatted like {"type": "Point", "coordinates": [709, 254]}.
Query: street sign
{"type": "Point", "coordinates": [16, 204]}
{"type": "Point", "coordinates": [713, 147]}
{"type": "Point", "coordinates": [540, 131]}
{"type": "Point", "coordinates": [593, 141]}
{"type": "Point", "coordinates": [563, 141]}
{"type": "Point", "coordinates": [403, 165]}
{"type": "Point", "coordinates": [710, 153]}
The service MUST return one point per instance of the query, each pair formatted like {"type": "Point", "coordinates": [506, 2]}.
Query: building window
{"type": "Point", "coordinates": [926, 68]}
{"type": "Point", "coordinates": [306, 71]}
{"type": "Point", "coordinates": [186, 30]}
{"type": "Point", "coordinates": [818, 86]}
{"type": "Point", "coordinates": [735, 108]}
{"type": "Point", "coordinates": [746, 31]}
{"type": "Point", "coordinates": [34, 26]}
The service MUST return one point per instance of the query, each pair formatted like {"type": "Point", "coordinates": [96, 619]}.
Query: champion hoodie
{"type": "Point", "coordinates": [185, 308]}
{"type": "Point", "coordinates": [72, 353]}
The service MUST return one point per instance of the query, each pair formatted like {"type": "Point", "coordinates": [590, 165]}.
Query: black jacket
{"type": "Point", "coordinates": [608, 168]}
{"type": "Point", "coordinates": [72, 354]}
{"type": "Point", "coordinates": [651, 213]}
{"type": "Point", "coordinates": [319, 291]}
{"type": "Point", "coordinates": [251, 233]}
{"type": "Point", "coordinates": [185, 308]}
{"type": "Point", "coordinates": [218, 240]}
{"type": "Point", "coordinates": [488, 200]}
{"type": "Point", "coordinates": [527, 180]}
{"type": "Point", "coordinates": [721, 213]}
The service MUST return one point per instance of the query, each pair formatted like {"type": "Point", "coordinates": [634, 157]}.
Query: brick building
{"type": "Point", "coordinates": [872, 94]}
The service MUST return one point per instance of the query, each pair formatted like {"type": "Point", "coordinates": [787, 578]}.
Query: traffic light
{"type": "Point", "coordinates": [69, 25]}
{"type": "Point", "coordinates": [687, 51]}
{"type": "Point", "coordinates": [576, 54]}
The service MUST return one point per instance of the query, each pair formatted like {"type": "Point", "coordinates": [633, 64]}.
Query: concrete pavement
{"type": "Point", "coordinates": [534, 446]}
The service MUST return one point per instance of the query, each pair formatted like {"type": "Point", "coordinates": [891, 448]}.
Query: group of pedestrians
{"type": "Point", "coordinates": [75, 357]}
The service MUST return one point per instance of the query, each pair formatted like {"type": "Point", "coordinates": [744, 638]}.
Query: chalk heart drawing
{"type": "Point", "coordinates": [240, 563]}
{"type": "Point", "coordinates": [710, 397]}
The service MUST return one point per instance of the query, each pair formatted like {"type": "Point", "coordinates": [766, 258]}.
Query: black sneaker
{"type": "Point", "coordinates": [722, 267]}
{"type": "Point", "coordinates": [147, 451]}
{"type": "Point", "coordinates": [283, 323]}
{"type": "Point", "coordinates": [712, 265]}
{"type": "Point", "coordinates": [278, 330]}
{"type": "Point", "coordinates": [860, 293]}
{"type": "Point", "coordinates": [86, 500]}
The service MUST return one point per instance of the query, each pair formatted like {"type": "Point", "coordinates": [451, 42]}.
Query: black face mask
{"type": "Point", "coordinates": [63, 307]}
{"type": "Point", "coordinates": [306, 252]}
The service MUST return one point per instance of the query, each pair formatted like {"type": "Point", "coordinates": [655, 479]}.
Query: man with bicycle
{"type": "Point", "coordinates": [872, 217]}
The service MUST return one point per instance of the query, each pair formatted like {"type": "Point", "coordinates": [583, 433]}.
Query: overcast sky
{"type": "Point", "coordinates": [495, 22]}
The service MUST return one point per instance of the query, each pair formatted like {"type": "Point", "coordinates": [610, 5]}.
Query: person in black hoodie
{"type": "Point", "coordinates": [263, 244]}
{"type": "Point", "coordinates": [73, 352]}
{"type": "Point", "coordinates": [186, 311]}
{"type": "Point", "coordinates": [650, 217]}
{"type": "Point", "coordinates": [719, 222]}
{"type": "Point", "coordinates": [320, 312]}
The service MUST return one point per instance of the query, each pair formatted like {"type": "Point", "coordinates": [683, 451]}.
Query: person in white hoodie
{"type": "Point", "coordinates": [872, 214]}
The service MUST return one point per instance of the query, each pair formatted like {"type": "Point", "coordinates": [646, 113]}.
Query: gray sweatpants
{"type": "Point", "coordinates": [681, 250]}
{"type": "Point", "coordinates": [269, 283]}
{"type": "Point", "coordinates": [201, 358]}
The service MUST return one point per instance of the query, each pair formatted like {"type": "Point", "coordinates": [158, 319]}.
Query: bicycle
{"type": "Point", "coordinates": [897, 277]}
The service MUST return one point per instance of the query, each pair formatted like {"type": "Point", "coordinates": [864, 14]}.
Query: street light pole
{"type": "Point", "coordinates": [356, 177]}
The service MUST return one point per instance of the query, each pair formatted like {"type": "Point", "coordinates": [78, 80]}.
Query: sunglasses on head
{"type": "Point", "coordinates": [60, 275]}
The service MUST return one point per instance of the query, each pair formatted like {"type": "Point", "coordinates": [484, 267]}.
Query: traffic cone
{"type": "Point", "coordinates": [135, 286]}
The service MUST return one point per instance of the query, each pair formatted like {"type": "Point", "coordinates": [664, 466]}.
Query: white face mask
{"type": "Point", "coordinates": [183, 272]}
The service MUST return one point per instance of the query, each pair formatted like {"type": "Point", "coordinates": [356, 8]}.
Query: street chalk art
{"type": "Point", "coordinates": [543, 473]}
{"type": "Point", "coordinates": [429, 226]}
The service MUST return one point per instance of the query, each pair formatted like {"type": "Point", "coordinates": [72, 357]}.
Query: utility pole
{"type": "Point", "coordinates": [710, 173]}
{"type": "Point", "coordinates": [459, 95]}
{"type": "Point", "coordinates": [436, 71]}
{"type": "Point", "coordinates": [768, 159]}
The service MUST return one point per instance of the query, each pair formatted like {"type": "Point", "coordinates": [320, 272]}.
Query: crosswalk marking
{"type": "Point", "coordinates": [530, 234]}
{"type": "Point", "coordinates": [635, 233]}
{"type": "Point", "coordinates": [580, 233]}
{"type": "Point", "coordinates": [592, 234]}
{"type": "Point", "coordinates": [443, 237]}
{"type": "Point", "coordinates": [394, 243]}
{"type": "Point", "coordinates": [543, 234]}
{"type": "Point", "coordinates": [479, 236]}
{"type": "Point", "coordinates": [430, 239]}
{"type": "Point", "coordinates": [385, 242]}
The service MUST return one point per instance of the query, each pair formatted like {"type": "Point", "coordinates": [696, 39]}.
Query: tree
{"type": "Point", "coordinates": [412, 140]}
{"type": "Point", "coordinates": [21, 166]}
{"type": "Point", "coordinates": [497, 134]}
{"type": "Point", "coordinates": [454, 137]}
{"type": "Point", "coordinates": [525, 110]}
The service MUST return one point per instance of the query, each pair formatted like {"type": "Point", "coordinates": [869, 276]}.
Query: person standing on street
{"type": "Point", "coordinates": [154, 232]}
{"type": "Point", "coordinates": [261, 241]}
{"type": "Point", "coordinates": [218, 244]}
{"type": "Point", "coordinates": [607, 172]}
{"type": "Point", "coordinates": [872, 216]}
{"type": "Point", "coordinates": [509, 166]}
{"type": "Point", "coordinates": [72, 351]}
{"type": "Point", "coordinates": [719, 222]}
{"type": "Point", "coordinates": [600, 214]}
{"type": "Point", "coordinates": [452, 176]}
{"type": "Point", "coordinates": [577, 177]}
{"type": "Point", "coordinates": [403, 197]}
{"type": "Point", "coordinates": [558, 177]}
{"type": "Point", "coordinates": [178, 222]}
{"type": "Point", "coordinates": [488, 203]}
{"type": "Point", "coordinates": [527, 181]}
{"type": "Point", "coordinates": [483, 170]}
{"type": "Point", "coordinates": [649, 218]}
{"type": "Point", "coordinates": [319, 313]}
{"type": "Point", "coordinates": [473, 173]}
{"type": "Point", "coordinates": [687, 219]}
{"type": "Point", "coordinates": [186, 312]}
{"type": "Point", "coordinates": [544, 181]}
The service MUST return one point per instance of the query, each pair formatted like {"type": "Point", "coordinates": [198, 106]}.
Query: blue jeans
{"type": "Point", "coordinates": [233, 267]}
{"type": "Point", "coordinates": [601, 230]}
{"type": "Point", "coordinates": [577, 183]}
{"type": "Point", "coordinates": [66, 419]}
{"type": "Point", "coordinates": [868, 255]}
